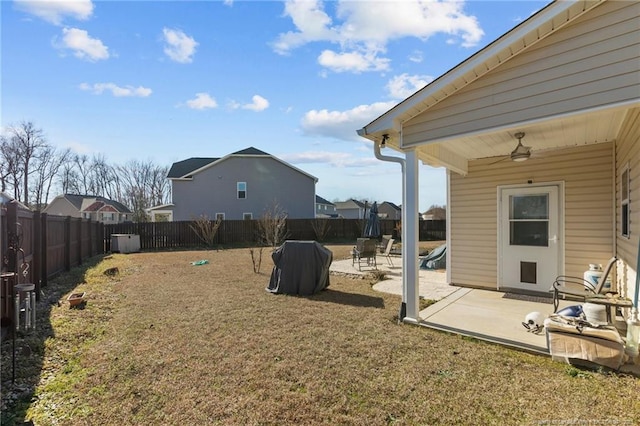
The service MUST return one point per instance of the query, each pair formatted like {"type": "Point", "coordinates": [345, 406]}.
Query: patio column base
{"type": "Point", "coordinates": [403, 312]}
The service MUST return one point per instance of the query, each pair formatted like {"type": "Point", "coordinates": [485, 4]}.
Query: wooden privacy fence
{"type": "Point", "coordinates": [167, 235]}
{"type": "Point", "coordinates": [43, 246]}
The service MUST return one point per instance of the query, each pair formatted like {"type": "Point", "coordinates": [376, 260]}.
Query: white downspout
{"type": "Point", "coordinates": [409, 307]}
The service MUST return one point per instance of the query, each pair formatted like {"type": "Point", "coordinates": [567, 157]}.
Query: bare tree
{"type": "Point", "coordinates": [9, 171]}
{"type": "Point", "coordinates": [83, 183]}
{"type": "Point", "coordinates": [29, 143]}
{"type": "Point", "coordinates": [24, 150]}
{"type": "Point", "coordinates": [104, 179]}
{"type": "Point", "coordinates": [272, 226]}
{"type": "Point", "coordinates": [46, 168]}
{"type": "Point", "coordinates": [66, 178]}
{"type": "Point", "coordinates": [142, 185]}
{"type": "Point", "coordinates": [320, 228]}
{"type": "Point", "coordinates": [206, 229]}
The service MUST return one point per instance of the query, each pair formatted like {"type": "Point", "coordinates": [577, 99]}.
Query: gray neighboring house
{"type": "Point", "coordinates": [350, 209]}
{"type": "Point", "coordinates": [388, 210]}
{"type": "Point", "coordinates": [96, 208]}
{"type": "Point", "coordinates": [241, 185]}
{"type": "Point", "coordinates": [325, 208]}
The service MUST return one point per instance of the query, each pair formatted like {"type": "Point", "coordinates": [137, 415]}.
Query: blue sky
{"type": "Point", "coordinates": [168, 80]}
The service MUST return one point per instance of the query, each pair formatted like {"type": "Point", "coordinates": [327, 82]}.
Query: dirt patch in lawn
{"type": "Point", "coordinates": [167, 342]}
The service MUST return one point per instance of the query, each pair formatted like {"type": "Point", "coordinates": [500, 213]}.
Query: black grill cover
{"type": "Point", "coordinates": [301, 267]}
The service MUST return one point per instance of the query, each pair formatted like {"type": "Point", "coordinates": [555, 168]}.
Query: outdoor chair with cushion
{"type": "Point", "coordinates": [387, 252]}
{"type": "Point", "coordinates": [364, 250]}
{"type": "Point", "coordinates": [577, 287]}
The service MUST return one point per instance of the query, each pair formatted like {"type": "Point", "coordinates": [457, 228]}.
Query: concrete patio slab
{"type": "Point", "coordinates": [487, 315]}
{"type": "Point", "coordinates": [433, 284]}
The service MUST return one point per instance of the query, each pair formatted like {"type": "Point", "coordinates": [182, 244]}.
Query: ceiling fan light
{"type": "Point", "coordinates": [520, 156]}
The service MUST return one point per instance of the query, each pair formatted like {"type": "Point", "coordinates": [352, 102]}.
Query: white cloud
{"type": "Point", "coordinates": [82, 45]}
{"type": "Point", "coordinates": [416, 56]}
{"type": "Point", "coordinates": [311, 21]}
{"type": "Point", "coordinates": [54, 11]}
{"type": "Point", "coordinates": [342, 124]}
{"type": "Point", "coordinates": [352, 61]}
{"type": "Point", "coordinates": [117, 91]}
{"type": "Point", "coordinates": [202, 101]}
{"type": "Point", "coordinates": [78, 148]}
{"type": "Point", "coordinates": [367, 27]}
{"type": "Point", "coordinates": [179, 46]}
{"type": "Point", "coordinates": [258, 104]}
{"type": "Point", "coordinates": [404, 85]}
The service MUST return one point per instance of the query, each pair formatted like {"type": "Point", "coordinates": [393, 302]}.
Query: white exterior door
{"type": "Point", "coordinates": [529, 238]}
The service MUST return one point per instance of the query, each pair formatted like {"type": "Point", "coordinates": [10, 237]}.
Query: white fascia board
{"type": "Point", "coordinates": [411, 107]}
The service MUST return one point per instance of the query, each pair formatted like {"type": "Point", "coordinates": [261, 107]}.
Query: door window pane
{"type": "Point", "coordinates": [529, 220]}
{"type": "Point", "coordinates": [530, 206]}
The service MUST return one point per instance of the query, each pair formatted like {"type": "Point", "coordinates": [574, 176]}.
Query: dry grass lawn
{"type": "Point", "coordinates": [165, 342]}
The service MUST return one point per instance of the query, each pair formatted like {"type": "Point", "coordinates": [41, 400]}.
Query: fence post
{"type": "Point", "coordinates": [37, 252]}
{"type": "Point", "coordinates": [44, 241]}
{"type": "Point", "coordinates": [12, 236]}
{"type": "Point", "coordinates": [67, 243]}
{"type": "Point", "coordinates": [90, 238]}
{"type": "Point", "coordinates": [79, 241]}
{"type": "Point", "coordinates": [106, 237]}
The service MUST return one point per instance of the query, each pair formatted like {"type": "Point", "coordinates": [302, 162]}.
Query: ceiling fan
{"type": "Point", "coordinates": [520, 153]}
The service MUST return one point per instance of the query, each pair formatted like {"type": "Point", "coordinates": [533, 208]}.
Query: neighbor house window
{"type": "Point", "coordinates": [247, 216]}
{"type": "Point", "coordinates": [219, 216]}
{"type": "Point", "coordinates": [624, 202]}
{"type": "Point", "coordinates": [242, 190]}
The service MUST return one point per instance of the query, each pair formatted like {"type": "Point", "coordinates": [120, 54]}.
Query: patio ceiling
{"type": "Point", "coordinates": [556, 133]}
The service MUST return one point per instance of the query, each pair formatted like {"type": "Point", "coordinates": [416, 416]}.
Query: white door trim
{"type": "Point", "coordinates": [561, 225]}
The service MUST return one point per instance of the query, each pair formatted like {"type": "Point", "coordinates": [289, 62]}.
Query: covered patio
{"type": "Point", "coordinates": [487, 315]}
{"type": "Point", "coordinates": [538, 132]}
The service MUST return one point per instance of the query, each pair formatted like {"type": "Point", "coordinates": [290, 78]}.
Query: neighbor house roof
{"type": "Point", "coordinates": [349, 204]}
{"type": "Point", "coordinates": [161, 207]}
{"type": "Point", "coordinates": [88, 202]}
{"type": "Point", "coordinates": [185, 169]}
{"type": "Point", "coordinates": [320, 200]}
{"type": "Point", "coordinates": [390, 204]}
{"type": "Point", "coordinates": [6, 199]}
{"type": "Point", "coordinates": [250, 151]}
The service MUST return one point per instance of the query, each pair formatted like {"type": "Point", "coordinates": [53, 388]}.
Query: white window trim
{"type": "Point", "coordinates": [219, 215]}
{"type": "Point", "coordinates": [625, 202]}
{"type": "Point", "coordinates": [238, 190]}
{"type": "Point", "coordinates": [247, 214]}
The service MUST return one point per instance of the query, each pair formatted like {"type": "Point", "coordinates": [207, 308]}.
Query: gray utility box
{"type": "Point", "coordinates": [125, 243]}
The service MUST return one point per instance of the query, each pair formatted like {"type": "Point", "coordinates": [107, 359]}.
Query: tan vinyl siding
{"type": "Point", "coordinates": [587, 175]}
{"type": "Point", "coordinates": [628, 153]}
{"type": "Point", "coordinates": [591, 63]}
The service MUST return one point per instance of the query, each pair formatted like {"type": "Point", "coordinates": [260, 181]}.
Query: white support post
{"type": "Point", "coordinates": [410, 236]}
